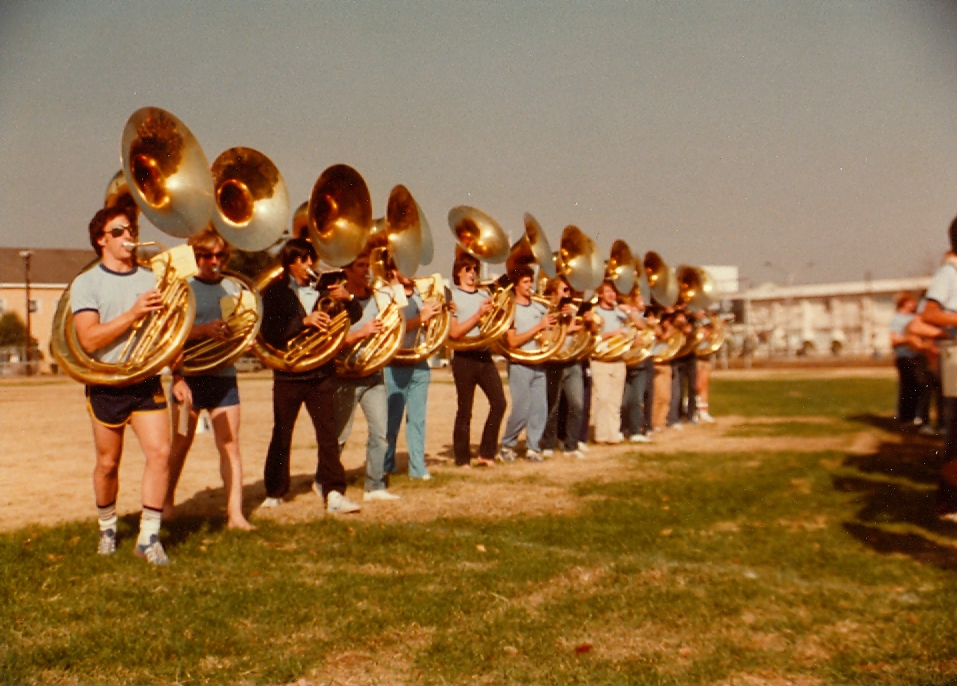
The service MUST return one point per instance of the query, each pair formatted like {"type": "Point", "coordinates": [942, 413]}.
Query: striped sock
{"type": "Point", "coordinates": [107, 516]}
{"type": "Point", "coordinates": [150, 522]}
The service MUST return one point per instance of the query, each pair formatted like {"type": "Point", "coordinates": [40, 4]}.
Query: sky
{"type": "Point", "coordinates": [818, 137]}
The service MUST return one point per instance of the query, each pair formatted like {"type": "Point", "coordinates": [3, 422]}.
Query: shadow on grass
{"type": "Point", "coordinates": [897, 497]}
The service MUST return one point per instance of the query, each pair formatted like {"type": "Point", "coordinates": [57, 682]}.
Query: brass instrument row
{"type": "Point", "coordinates": [244, 197]}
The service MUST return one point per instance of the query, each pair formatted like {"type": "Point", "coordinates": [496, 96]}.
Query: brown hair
{"type": "Point", "coordinates": [295, 249]}
{"type": "Point", "coordinates": [519, 273]}
{"type": "Point", "coordinates": [462, 260]}
{"type": "Point", "coordinates": [551, 288]}
{"type": "Point", "coordinates": [902, 298]}
{"type": "Point", "coordinates": [105, 216]}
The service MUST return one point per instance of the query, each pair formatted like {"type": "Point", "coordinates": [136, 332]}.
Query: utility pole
{"type": "Point", "coordinates": [28, 335]}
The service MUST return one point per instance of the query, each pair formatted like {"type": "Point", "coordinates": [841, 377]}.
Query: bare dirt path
{"type": "Point", "coordinates": [46, 461]}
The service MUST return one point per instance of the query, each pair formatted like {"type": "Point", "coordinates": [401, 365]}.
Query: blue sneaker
{"type": "Point", "coordinates": [152, 553]}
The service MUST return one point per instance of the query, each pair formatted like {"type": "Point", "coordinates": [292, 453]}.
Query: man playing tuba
{"type": "Point", "coordinates": [291, 305]}
{"type": "Point", "coordinates": [108, 303]}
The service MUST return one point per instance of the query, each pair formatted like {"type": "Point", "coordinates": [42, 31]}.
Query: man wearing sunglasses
{"type": "Point", "coordinates": [106, 301]}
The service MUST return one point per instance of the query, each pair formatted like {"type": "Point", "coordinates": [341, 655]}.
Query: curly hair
{"type": "Point", "coordinates": [104, 217]}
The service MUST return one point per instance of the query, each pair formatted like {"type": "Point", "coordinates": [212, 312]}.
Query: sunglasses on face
{"type": "Point", "coordinates": [469, 269]}
{"type": "Point", "coordinates": [221, 255]}
{"type": "Point", "coordinates": [118, 231]}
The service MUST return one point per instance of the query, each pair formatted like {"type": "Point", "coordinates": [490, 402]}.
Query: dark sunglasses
{"type": "Point", "coordinates": [210, 255]}
{"type": "Point", "coordinates": [469, 268]}
{"type": "Point", "coordinates": [118, 231]}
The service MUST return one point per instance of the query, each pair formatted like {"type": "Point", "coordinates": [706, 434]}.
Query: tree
{"type": "Point", "coordinates": [12, 330]}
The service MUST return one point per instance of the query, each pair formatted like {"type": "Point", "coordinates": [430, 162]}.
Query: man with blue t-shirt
{"type": "Point", "coordinates": [526, 382]}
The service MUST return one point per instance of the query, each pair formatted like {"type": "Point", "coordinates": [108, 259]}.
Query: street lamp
{"type": "Point", "coordinates": [26, 255]}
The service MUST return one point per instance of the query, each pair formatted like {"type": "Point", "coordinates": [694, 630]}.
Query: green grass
{"type": "Point", "coordinates": [793, 429]}
{"type": "Point", "coordinates": [832, 398]}
{"type": "Point", "coordinates": [687, 568]}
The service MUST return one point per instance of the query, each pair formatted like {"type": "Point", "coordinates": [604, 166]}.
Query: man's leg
{"type": "Point", "coordinates": [321, 406]}
{"type": "Point", "coordinates": [519, 386]}
{"type": "Point", "coordinates": [397, 380]}
{"type": "Point", "coordinates": [573, 390]}
{"type": "Point", "coordinates": [491, 384]}
{"type": "Point", "coordinates": [662, 395]}
{"type": "Point", "coordinates": [372, 399]}
{"type": "Point", "coordinates": [152, 431]}
{"type": "Point", "coordinates": [464, 372]}
{"type": "Point", "coordinates": [630, 408]}
{"type": "Point", "coordinates": [418, 400]}
{"type": "Point", "coordinates": [287, 397]}
{"type": "Point", "coordinates": [674, 410]}
{"type": "Point", "coordinates": [553, 392]}
{"type": "Point", "coordinates": [345, 410]}
{"type": "Point", "coordinates": [648, 402]}
{"type": "Point", "coordinates": [537, 410]}
{"type": "Point", "coordinates": [226, 431]}
{"type": "Point", "coordinates": [177, 456]}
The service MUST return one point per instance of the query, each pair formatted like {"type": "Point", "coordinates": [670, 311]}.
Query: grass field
{"type": "Point", "coordinates": [772, 566]}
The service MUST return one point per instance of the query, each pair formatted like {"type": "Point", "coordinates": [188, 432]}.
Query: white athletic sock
{"type": "Point", "coordinates": [150, 522]}
{"type": "Point", "coordinates": [107, 516]}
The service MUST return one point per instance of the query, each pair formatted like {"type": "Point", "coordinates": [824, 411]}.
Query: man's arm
{"type": "Point", "coordinates": [935, 315]}
{"type": "Point", "coordinates": [93, 335]}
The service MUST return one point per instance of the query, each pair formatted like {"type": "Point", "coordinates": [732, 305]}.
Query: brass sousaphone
{"type": "Point", "coordinates": [529, 250]}
{"type": "Point", "coordinates": [167, 175]}
{"type": "Point", "coordinates": [252, 209]}
{"type": "Point", "coordinates": [579, 263]}
{"type": "Point", "coordinates": [394, 243]}
{"type": "Point", "coordinates": [662, 281]}
{"type": "Point", "coordinates": [481, 237]}
{"type": "Point", "coordinates": [339, 220]}
{"type": "Point", "coordinates": [430, 337]}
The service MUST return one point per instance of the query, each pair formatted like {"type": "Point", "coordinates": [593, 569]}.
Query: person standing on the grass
{"type": "Point", "coordinates": [526, 382]}
{"type": "Point", "coordinates": [637, 380]}
{"type": "Point", "coordinates": [367, 392]}
{"type": "Point", "coordinates": [106, 302]}
{"type": "Point", "coordinates": [291, 305]}
{"type": "Point", "coordinates": [911, 339]}
{"type": "Point", "coordinates": [662, 400]}
{"type": "Point", "coordinates": [216, 391]}
{"type": "Point", "coordinates": [407, 384]}
{"type": "Point", "coordinates": [471, 368]}
{"type": "Point", "coordinates": [564, 384]}
{"type": "Point", "coordinates": [940, 310]}
{"type": "Point", "coordinates": [684, 378]}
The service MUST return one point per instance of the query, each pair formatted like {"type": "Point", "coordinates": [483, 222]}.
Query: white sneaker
{"type": "Point", "coordinates": [271, 502]}
{"type": "Point", "coordinates": [337, 503]}
{"type": "Point", "coordinates": [638, 438]}
{"type": "Point", "coordinates": [427, 477]}
{"type": "Point", "coordinates": [548, 452]}
{"type": "Point", "coordinates": [705, 417]}
{"type": "Point", "coordinates": [381, 494]}
{"type": "Point", "coordinates": [583, 447]}
{"type": "Point", "coordinates": [577, 454]}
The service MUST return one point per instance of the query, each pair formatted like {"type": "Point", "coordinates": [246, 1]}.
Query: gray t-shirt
{"type": "Point", "coordinates": [467, 304]}
{"type": "Point", "coordinates": [943, 291]}
{"type": "Point", "coordinates": [208, 308]}
{"type": "Point", "coordinates": [527, 316]}
{"type": "Point", "coordinates": [369, 311]}
{"type": "Point", "coordinates": [110, 294]}
{"type": "Point", "coordinates": [611, 319]}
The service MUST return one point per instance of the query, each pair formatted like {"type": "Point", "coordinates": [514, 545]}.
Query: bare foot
{"type": "Point", "coordinates": [240, 523]}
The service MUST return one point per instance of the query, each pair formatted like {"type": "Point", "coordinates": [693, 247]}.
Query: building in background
{"type": "Point", "coordinates": [51, 271]}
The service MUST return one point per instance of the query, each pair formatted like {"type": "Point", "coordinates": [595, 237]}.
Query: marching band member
{"type": "Point", "coordinates": [216, 391]}
{"type": "Point", "coordinates": [563, 380]}
{"type": "Point", "coordinates": [526, 381]}
{"type": "Point", "coordinates": [369, 391]}
{"type": "Point", "coordinates": [106, 302]}
{"type": "Point", "coordinates": [684, 378]}
{"type": "Point", "coordinates": [290, 305]}
{"type": "Point", "coordinates": [471, 368]}
{"type": "Point", "coordinates": [637, 380]}
{"type": "Point", "coordinates": [661, 404]}
{"type": "Point", "coordinates": [608, 378]}
{"type": "Point", "coordinates": [407, 385]}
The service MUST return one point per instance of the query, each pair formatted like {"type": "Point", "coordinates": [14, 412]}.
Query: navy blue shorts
{"type": "Point", "coordinates": [210, 392]}
{"type": "Point", "coordinates": [114, 405]}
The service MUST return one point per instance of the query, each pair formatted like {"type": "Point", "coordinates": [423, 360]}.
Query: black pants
{"type": "Point", "coordinates": [288, 396]}
{"type": "Point", "coordinates": [469, 370]}
{"type": "Point", "coordinates": [915, 388]}
{"type": "Point", "coordinates": [637, 381]}
{"type": "Point", "coordinates": [684, 382]}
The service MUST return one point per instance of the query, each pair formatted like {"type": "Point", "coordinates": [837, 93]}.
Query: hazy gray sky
{"type": "Point", "coordinates": [712, 132]}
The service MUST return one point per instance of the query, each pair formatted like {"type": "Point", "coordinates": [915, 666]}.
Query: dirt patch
{"type": "Point", "coordinates": [46, 458]}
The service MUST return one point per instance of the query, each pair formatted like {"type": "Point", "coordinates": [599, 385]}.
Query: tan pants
{"type": "Point", "coordinates": [659, 411]}
{"type": "Point", "coordinates": [607, 389]}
